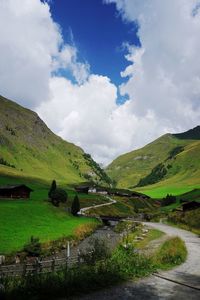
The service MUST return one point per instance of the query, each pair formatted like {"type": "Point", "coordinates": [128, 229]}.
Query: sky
{"type": "Point", "coordinates": [107, 75]}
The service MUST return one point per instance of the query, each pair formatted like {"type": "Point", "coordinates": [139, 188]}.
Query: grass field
{"type": "Point", "coordinates": [20, 219]}
{"type": "Point", "coordinates": [182, 171]}
{"type": "Point", "coordinates": [124, 207]}
{"type": "Point", "coordinates": [158, 191]}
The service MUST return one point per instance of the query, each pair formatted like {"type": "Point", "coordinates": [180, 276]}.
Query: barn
{"type": "Point", "coordinates": [190, 205]}
{"type": "Point", "coordinates": [15, 191]}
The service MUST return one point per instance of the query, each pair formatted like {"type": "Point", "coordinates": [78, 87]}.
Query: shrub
{"type": "Point", "coordinates": [33, 248]}
{"type": "Point", "coordinates": [170, 199]}
{"type": "Point", "coordinates": [157, 174]}
{"type": "Point", "coordinates": [57, 196]}
{"type": "Point", "coordinates": [97, 251]}
{"type": "Point", "coordinates": [172, 252]}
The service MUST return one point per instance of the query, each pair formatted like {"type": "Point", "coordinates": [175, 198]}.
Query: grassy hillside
{"type": "Point", "coordinates": [169, 164]}
{"type": "Point", "coordinates": [28, 148]}
{"type": "Point", "coordinates": [20, 219]}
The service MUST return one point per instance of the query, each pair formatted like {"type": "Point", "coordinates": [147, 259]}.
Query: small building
{"type": "Point", "coordinates": [190, 205]}
{"type": "Point", "coordinates": [92, 190]}
{"type": "Point", "coordinates": [15, 191]}
{"type": "Point", "coordinates": [82, 189]}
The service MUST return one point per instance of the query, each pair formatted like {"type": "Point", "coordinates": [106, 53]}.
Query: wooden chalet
{"type": "Point", "coordinates": [190, 205]}
{"type": "Point", "coordinates": [15, 191]}
{"type": "Point", "coordinates": [82, 189]}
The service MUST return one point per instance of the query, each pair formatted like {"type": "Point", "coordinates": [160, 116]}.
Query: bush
{"type": "Point", "coordinates": [170, 199]}
{"type": "Point", "coordinates": [34, 247]}
{"type": "Point", "coordinates": [97, 251]}
{"type": "Point", "coordinates": [172, 252]}
{"type": "Point", "coordinates": [157, 174]}
{"type": "Point", "coordinates": [57, 196]}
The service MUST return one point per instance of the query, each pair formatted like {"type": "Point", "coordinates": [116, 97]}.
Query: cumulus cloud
{"type": "Point", "coordinates": [164, 74]}
{"type": "Point", "coordinates": [31, 48]}
{"type": "Point", "coordinates": [163, 77]}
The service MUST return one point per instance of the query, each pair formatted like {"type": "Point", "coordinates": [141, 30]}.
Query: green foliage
{"type": "Point", "coordinates": [97, 169]}
{"type": "Point", "coordinates": [58, 196]}
{"type": "Point", "coordinates": [169, 199]}
{"type": "Point", "coordinates": [123, 264]}
{"type": "Point", "coordinates": [75, 206]}
{"type": "Point", "coordinates": [52, 188]}
{"type": "Point", "coordinates": [172, 252]}
{"type": "Point", "coordinates": [175, 151]}
{"type": "Point", "coordinates": [157, 173]}
{"type": "Point", "coordinates": [20, 219]}
{"type": "Point", "coordinates": [97, 251]}
{"type": "Point", "coordinates": [191, 219]}
{"type": "Point", "coordinates": [33, 248]}
{"type": "Point", "coordinates": [5, 163]}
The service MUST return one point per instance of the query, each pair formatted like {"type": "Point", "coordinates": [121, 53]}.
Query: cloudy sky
{"type": "Point", "coordinates": [107, 75]}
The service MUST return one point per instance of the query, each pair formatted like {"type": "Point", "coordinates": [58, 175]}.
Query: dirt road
{"type": "Point", "coordinates": [180, 283]}
{"type": "Point", "coordinates": [112, 201]}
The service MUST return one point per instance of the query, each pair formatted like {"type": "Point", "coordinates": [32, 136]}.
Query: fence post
{"type": "Point", "coordinates": [68, 255]}
{"type": "Point", "coordinates": [53, 264]}
{"type": "Point", "coordinates": [24, 269]}
{"type": "Point", "coordinates": [79, 256]}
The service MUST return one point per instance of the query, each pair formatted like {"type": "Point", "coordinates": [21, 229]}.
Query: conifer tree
{"type": "Point", "coordinates": [52, 188]}
{"type": "Point", "coordinates": [75, 206]}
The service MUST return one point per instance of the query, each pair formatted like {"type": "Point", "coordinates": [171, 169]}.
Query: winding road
{"type": "Point", "coordinates": [180, 283]}
{"type": "Point", "coordinates": [83, 210]}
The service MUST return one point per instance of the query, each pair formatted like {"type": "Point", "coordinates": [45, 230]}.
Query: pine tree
{"type": "Point", "coordinates": [75, 206]}
{"type": "Point", "coordinates": [52, 188]}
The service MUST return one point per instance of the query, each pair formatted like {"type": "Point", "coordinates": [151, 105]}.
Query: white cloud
{"type": "Point", "coordinates": [164, 74]}
{"type": "Point", "coordinates": [31, 47]}
{"type": "Point", "coordinates": [28, 41]}
{"type": "Point", "coordinates": [163, 78]}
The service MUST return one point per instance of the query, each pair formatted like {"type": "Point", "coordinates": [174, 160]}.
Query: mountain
{"type": "Point", "coordinates": [28, 148]}
{"type": "Point", "coordinates": [172, 159]}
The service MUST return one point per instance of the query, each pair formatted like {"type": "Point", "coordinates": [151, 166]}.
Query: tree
{"type": "Point", "coordinates": [170, 199]}
{"type": "Point", "coordinates": [52, 188]}
{"type": "Point", "coordinates": [75, 206]}
{"type": "Point", "coordinates": [57, 196]}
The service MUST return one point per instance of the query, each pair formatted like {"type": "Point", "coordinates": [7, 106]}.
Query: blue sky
{"type": "Point", "coordinates": [98, 32]}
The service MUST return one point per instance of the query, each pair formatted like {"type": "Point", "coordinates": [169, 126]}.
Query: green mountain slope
{"type": "Point", "coordinates": [171, 160]}
{"type": "Point", "coordinates": [28, 148]}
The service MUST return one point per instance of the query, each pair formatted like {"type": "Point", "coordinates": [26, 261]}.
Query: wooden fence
{"type": "Point", "coordinates": [38, 266]}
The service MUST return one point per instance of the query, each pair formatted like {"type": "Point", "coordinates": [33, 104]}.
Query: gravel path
{"type": "Point", "coordinates": [154, 287]}
{"type": "Point", "coordinates": [112, 201]}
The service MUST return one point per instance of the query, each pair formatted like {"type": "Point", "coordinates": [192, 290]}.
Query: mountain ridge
{"type": "Point", "coordinates": [155, 162]}
{"type": "Point", "coordinates": [30, 149]}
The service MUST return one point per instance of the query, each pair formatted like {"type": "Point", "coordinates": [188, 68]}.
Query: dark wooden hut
{"type": "Point", "coordinates": [15, 191]}
{"type": "Point", "coordinates": [190, 205]}
{"type": "Point", "coordinates": [82, 189]}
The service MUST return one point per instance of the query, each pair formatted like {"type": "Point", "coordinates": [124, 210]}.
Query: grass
{"type": "Point", "coordinates": [36, 152]}
{"type": "Point", "coordinates": [123, 264]}
{"type": "Point", "coordinates": [172, 252]}
{"type": "Point", "coordinates": [189, 220]}
{"type": "Point", "coordinates": [183, 170]}
{"type": "Point", "coordinates": [158, 191]}
{"type": "Point", "coordinates": [20, 219]}
{"type": "Point", "coordinates": [124, 207]}
{"type": "Point", "coordinates": [153, 234]}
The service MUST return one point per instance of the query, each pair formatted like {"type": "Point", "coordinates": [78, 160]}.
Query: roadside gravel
{"type": "Point", "coordinates": [153, 287]}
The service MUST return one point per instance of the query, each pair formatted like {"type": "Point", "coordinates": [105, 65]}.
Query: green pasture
{"type": "Point", "coordinates": [20, 219]}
